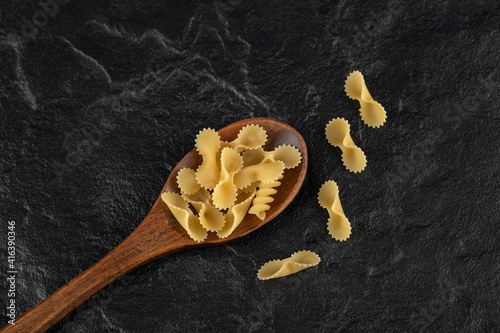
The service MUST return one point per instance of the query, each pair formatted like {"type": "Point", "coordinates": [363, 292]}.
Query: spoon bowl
{"type": "Point", "coordinates": [160, 234]}
{"type": "Point", "coordinates": [278, 133]}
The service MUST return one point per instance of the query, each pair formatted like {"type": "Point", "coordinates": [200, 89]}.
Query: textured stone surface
{"type": "Point", "coordinates": [98, 105]}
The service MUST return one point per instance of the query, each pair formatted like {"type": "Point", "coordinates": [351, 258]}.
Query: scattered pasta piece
{"type": "Point", "coordinates": [186, 179]}
{"type": "Point", "coordinates": [207, 144]}
{"type": "Point", "coordinates": [297, 262]}
{"type": "Point", "coordinates": [372, 113]}
{"type": "Point", "coordinates": [180, 209]}
{"type": "Point", "coordinates": [338, 224]}
{"type": "Point", "coordinates": [236, 213]}
{"type": "Point", "coordinates": [224, 194]}
{"type": "Point", "coordinates": [263, 197]}
{"type": "Point", "coordinates": [210, 217]}
{"type": "Point", "coordinates": [338, 134]}
{"type": "Point", "coordinates": [249, 137]}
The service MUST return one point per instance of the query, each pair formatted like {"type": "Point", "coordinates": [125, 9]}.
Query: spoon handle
{"type": "Point", "coordinates": [48, 312]}
{"type": "Point", "coordinates": [152, 239]}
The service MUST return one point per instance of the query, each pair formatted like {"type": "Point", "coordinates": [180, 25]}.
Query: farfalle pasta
{"type": "Point", "coordinates": [338, 134]}
{"type": "Point", "coordinates": [249, 137]}
{"type": "Point", "coordinates": [233, 179]}
{"type": "Point", "coordinates": [279, 268]}
{"type": "Point", "coordinates": [184, 215]}
{"type": "Point", "coordinates": [289, 155]}
{"type": "Point", "coordinates": [338, 224]}
{"type": "Point", "coordinates": [372, 113]}
{"type": "Point", "coordinates": [264, 172]}
{"type": "Point", "coordinates": [250, 188]}
{"type": "Point", "coordinates": [186, 180]}
{"type": "Point", "coordinates": [208, 143]}
{"type": "Point", "coordinates": [224, 194]}
{"type": "Point", "coordinates": [210, 217]}
{"type": "Point", "coordinates": [236, 213]}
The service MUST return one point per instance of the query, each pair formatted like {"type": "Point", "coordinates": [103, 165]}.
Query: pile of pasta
{"type": "Point", "coordinates": [234, 178]}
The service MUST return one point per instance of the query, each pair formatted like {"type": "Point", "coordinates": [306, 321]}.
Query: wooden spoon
{"type": "Point", "coordinates": [160, 234]}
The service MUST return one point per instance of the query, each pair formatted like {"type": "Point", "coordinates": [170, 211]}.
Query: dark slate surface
{"type": "Point", "coordinates": [100, 102]}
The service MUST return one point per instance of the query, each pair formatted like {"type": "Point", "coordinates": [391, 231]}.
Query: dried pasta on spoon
{"type": "Point", "coordinates": [234, 178]}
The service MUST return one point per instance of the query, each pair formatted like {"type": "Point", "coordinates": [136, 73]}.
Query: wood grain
{"type": "Point", "coordinates": [160, 234]}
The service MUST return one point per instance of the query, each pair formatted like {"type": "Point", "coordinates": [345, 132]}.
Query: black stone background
{"type": "Point", "coordinates": [99, 104]}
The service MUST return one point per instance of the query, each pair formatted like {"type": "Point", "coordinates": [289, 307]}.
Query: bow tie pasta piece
{"type": "Point", "coordinates": [210, 217]}
{"type": "Point", "coordinates": [297, 262]}
{"type": "Point", "coordinates": [289, 155]}
{"type": "Point", "coordinates": [338, 224]}
{"type": "Point", "coordinates": [207, 144]}
{"type": "Point", "coordinates": [183, 214]}
{"type": "Point", "coordinates": [338, 134]}
{"type": "Point", "coordinates": [372, 113]}
{"type": "Point", "coordinates": [253, 156]}
{"type": "Point", "coordinates": [262, 198]}
{"type": "Point", "coordinates": [250, 188]}
{"type": "Point", "coordinates": [186, 180]}
{"type": "Point", "coordinates": [236, 213]}
{"type": "Point", "coordinates": [249, 137]}
{"type": "Point", "coordinates": [266, 172]}
{"type": "Point", "coordinates": [224, 194]}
